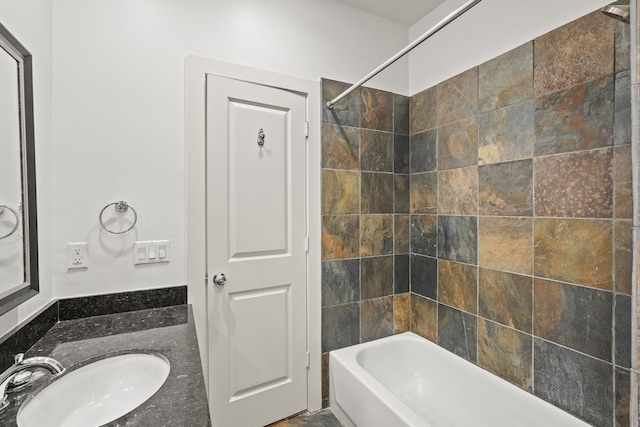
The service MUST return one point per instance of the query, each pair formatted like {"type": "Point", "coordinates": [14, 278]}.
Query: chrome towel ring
{"type": "Point", "coordinates": [120, 207]}
{"type": "Point", "coordinates": [15, 226]}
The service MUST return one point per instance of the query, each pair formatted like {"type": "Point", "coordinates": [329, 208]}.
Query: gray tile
{"type": "Point", "coordinates": [376, 318]}
{"type": "Point", "coordinates": [458, 238]}
{"type": "Point", "coordinates": [622, 109]}
{"type": "Point", "coordinates": [376, 192]}
{"type": "Point", "coordinates": [623, 331]}
{"type": "Point", "coordinates": [401, 114]}
{"type": "Point", "coordinates": [340, 326]}
{"type": "Point", "coordinates": [424, 276]}
{"type": "Point", "coordinates": [401, 153]}
{"type": "Point", "coordinates": [423, 151]}
{"type": "Point", "coordinates": [376, 277]}
{"type": "Point", "coordinates": [347, 111]}
{"type": "Point", "coordinates": [401, 274]}
{"type": "Point", "coordinates": [340, 282]}
{"type": "Point", "coordinates": [458, 332]}
{"type": "Point", "coordinates": [424, 234]}
{"type": "Point", "coordinates": [376, 151]}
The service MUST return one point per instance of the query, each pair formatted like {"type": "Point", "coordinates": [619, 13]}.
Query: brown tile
{"type": "Point", "coordinates": [325, 376]}
{"type": "Point", "coordinates": [401, 201]}
{"type": "Point", "coordinates": [458, 191]}
{"type": "Point", "coordinates": [622, 45]}
{"type": "Point", "coordinates": [377, 109]}
{"type": "Point", "coordinates": [574, 316]}
{"type": "Point", "coordinates": [506, 188]}
{"type": "Point", "coordinates": [623, 206]}
{"type": "Point", "coordinates": [574, 250]}
{"type": "Point", "coordinates": [506, 298]}
{"type": "Point", "coordinates": [506, 134]}
{"type": "Point", "coordinates": [574, 53]}
{"type": "Point", "coordinates": [578, 118]}
{"type": "Point", "coordinates": [458, 97]}
{"type": "Point", "coordinates": [376, 192]}
{"type": "Point", "coordinates": [505, 352]}
{"type": "Point", "coordinates": [458, 285]}
{"type": "Point", "coordinates": [376, 235]}
{"type": "Point", "coordinates": [376, 151]}
{"type": "Point", "coordinates": [507, 79]}
{"type": "Point", "coordinates": [340, 237]}
{"type": "Point", "coordinates": [401, 234]}
{"type": "Point", "coordinates": [506, 244]}
{"type": "Point", "coordinates": [401, 313]}
{"type": "Point", "coordinates": [424, 317]}
{"type": "Point", "coordinates": [458, 144]}
{"type": "Point", "coordinates": [340, 147]}
{"type": "Point", "coordinates": [424, 193]}
{"type": "Point", "coordinates": [340, 192]}
{"type": "Point", "coordinates": [577, 185]}
{"type": "Point", "coordinates": [623, 256]}
{"type": "Point", "coordinates": [376, 277]}
{"type": "Point", "coordinates": [424, 234]}
{"type": "Point", "coordinates": [622, 109]}
{"type": "Point", "coordinates": [376, 317]}
{"type": "Point", "coordinates": [623, 397]}
{"type": "Point", "coordinates": [401, 106]}
{"type": "Point", "coordinates": [424, 111]}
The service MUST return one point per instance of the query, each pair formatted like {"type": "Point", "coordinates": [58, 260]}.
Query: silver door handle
{"type": "Point", "coordinates": [220, 279]}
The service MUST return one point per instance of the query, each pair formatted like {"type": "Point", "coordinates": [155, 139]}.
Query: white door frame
{"type": "Point", "coordinates": [196, 69]}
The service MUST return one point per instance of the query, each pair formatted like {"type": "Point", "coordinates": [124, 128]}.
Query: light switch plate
{"type": "Point", "coordinates": [151, 252]}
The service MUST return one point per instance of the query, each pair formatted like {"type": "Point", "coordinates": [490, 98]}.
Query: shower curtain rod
{"type": "Point", "coordinates": [440, 25]}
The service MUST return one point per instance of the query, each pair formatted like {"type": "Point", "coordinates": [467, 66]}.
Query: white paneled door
{"type": "Point", "coordinates": [256, 238]}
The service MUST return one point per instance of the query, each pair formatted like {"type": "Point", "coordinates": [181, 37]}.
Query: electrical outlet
{"type": "Point", "coordinates": [77, 255]}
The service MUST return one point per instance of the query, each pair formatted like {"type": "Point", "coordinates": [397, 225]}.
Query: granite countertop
{"type": "Point", "coordinates": [181, 401]}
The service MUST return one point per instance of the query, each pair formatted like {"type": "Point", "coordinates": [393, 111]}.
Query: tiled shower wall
{"type": "Point", "coordinates": [521, 217]}
{"type": "Point", "coordinates": [365, 218]}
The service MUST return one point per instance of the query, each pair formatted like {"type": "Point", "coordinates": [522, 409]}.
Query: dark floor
{"type": "Point", "coordinates": [322, 418]}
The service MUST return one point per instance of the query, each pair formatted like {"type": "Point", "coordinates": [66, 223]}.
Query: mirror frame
{"type": "Point", "coordinates": [31, 285]}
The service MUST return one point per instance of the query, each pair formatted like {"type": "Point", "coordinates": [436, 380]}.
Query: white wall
{"type": "Point", "coordinates": [490, 29]}
{"type": "Point", "coordinates": [118, 108]}
{"type": "Point", "coordinates": [30, 22]}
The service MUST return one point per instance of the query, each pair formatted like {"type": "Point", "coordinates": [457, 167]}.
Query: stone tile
{"type": "Point", "coordinates": [458, 285]}
{"type": "Point", "coordinates": [574, 316]}
{"type": "Point", "coordinates": [458, 332]}
{"type": "Point", "coordinates": [401, 114]}
{"type": "Point", "coordinates": [424, 276]}
{"type": "Point", "coordinates": [506, 244]}
{"type": "Point", "coordinates": [376, 235]}
{"type": "Point", "coordinates": [458, 144]}
{"type": "Point", "coordinates": [376, 192]}
{"type": "Point", "coordinates": [424, 111]}
{"type": "Point", "coordinates": [575, 185]}
{"type": "Point", "coordinates": [401, 274]}
{"type": "Point", "coordinates": [401, 313]}
{"type": "Point", "coordinates": [458, 191]}
{"type": "Point", "coordinates": [340, 282]}
{"type": "Point", "coordinates": [401, 201]}
{"type": "Point", "coordinates": [424, 151]}
{"type": "Point", "coordinates": [506, 298]}
{"type": "Point", "coordinates": [506, 353]}
{"type": "Point", "coordinates": [376, 109]}
{"type": "Point", "coordinates": [623, 398]}
{"type": "Point", "coordinates": [376, 317]}
{"type": "Point", "coordinates": [579, 384]}
{"type": "Point", "coordinates": [622, 109]}
{"type": "Point", "coordinates": [574, 250]}
{"type": "Point", "coordinates": [401, 234]}
{"type": "Point", "coordinates": [579, 118]}
{"type": "Point", "coordinates": [507, 79]}
{"type": "Point", "coordinates": [325, 376]}
{"type": "Point", "coordinates": [458, 238]}
{"type": "Point", "coordinates": [401, 154]}
{"type": "Point", "coordinates": [424, 317]}
{"type": "Point", "coordinates": [622, 39]}
{"type": "Point", "coordinates": [574, 53]}
{"type": "Point", "coordinates": [340, 326]}
{"type": "Point", "coordinates": [376, 277]}
{"type": "Point", "coordinates": [347, 111]}
{"type": "Point", "coordinates": [324, 418]}
{"type": "Point", "coordinates": [506, 134]}
{"type": "Point", "coordinates": [340, 237]}
{"type": "Point", "coordinates": [424, 234]}
{"type": "Point", "coordinates": [506, 188]}
{"type": "Point", "coordinates": [623, 256]}
{"type": "Point", "coordinates": [424, 193]}
{"type": "Point", "coordinates": [623, 199]}
{"type": "Point", "coordinates": [622, 331]}
{"type": "Point", "coordinates": [376, 151]}
{"type": "Point", "coordinates": [458, 97]}
{"type": "Point", "coordinates": [340, 192]}
{"type": "Point", "coordinates": [340, 147]}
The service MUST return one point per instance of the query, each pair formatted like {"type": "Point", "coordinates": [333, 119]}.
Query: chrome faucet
{"type": "Point", "coordinates": [21, 364]}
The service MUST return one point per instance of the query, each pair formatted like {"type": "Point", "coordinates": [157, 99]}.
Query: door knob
{"type": "Point", "coordinates": [220, 279]}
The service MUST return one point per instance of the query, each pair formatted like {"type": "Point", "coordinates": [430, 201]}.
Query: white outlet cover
{"type": "Point", "coordinates": [77, 255]}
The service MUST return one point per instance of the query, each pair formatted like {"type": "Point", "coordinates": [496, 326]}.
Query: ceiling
{"type": "Point", "coordinates": [405, 12]}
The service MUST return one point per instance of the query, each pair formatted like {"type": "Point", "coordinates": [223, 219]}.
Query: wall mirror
{"type": "Point", "coordinates": [18, 229]}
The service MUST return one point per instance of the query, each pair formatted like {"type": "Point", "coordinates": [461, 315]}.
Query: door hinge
{"type": "Point", "coordinates": [306, 128]}
{"type": "Point", "coordinates": [206, 278]}
{"type": "Point", "coordinates": [308, 360]}
{"type": "Point", "coordinates": [306, 244]}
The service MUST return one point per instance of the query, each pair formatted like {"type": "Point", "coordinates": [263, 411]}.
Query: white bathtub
{"type": "Point", "coordinates": [406, 380]}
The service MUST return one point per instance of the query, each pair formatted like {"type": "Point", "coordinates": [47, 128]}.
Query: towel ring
{"type": "Point", "coordinates": [15, 227]}
{"type": "Point", "coordinates": [120, 207]}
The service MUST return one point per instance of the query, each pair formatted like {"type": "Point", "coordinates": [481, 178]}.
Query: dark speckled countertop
{"type": "Point", "coordinates": [181, 401]}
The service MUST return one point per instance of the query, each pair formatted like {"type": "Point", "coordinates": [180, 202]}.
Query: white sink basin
{"type": "Point", "coordinates": [97, 393]}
